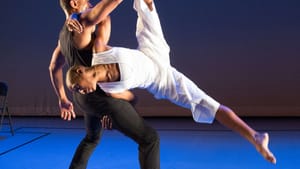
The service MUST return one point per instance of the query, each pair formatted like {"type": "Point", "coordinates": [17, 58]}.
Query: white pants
{"type": "Point", "coordinates": [170, 84]}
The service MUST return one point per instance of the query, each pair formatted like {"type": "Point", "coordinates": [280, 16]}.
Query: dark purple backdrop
{"type": "Point", "coordinates": [243, 53]}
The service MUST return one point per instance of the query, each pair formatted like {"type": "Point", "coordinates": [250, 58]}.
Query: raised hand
{"type": "Point", "coordinates": [74, 25]}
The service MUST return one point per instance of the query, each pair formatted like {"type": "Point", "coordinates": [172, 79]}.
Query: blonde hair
{"type": "Point", "coordinates": [66, 7]}
{"type": "Point", "coordinates": [73, 76]}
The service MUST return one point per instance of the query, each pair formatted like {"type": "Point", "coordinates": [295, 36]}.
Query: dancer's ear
{"type": "Point", "coordinates": [79, 70]}
{"type": "Point", "coordinates": [74, 4]}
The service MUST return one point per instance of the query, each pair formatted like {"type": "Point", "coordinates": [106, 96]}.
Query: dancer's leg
{"type": "Point", "coordinates": [149, 33]}
{"type": "Point", "coordinates": [149, 3]}
{"type": "Point", "coordinates": [88, 143]}
{"type": "Point", "coordinates": [130, 123]}
{"type": "Point", "coordinates": [224, 115]}
{"type": "Point", "coordinates": [260, 141]}
{"type": "Point", "coordinates": [126, 119]}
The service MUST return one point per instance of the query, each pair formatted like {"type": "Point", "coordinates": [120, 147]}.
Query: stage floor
{"type": "Point", "coordinates": [49, 143]}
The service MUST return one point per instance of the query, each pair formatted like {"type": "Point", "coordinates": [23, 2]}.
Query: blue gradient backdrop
{"type": "Point", "coordinates": [243, 53]}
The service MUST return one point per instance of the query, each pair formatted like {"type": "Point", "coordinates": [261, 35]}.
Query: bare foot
{"type": "Point", "coordinates": [261, 144]}
{"type": "Point", "coordinates": [149, 4]}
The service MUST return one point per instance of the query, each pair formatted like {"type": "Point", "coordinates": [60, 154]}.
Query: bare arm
{"type": "Point", "coordinates": [56, 72]}
{"type": "Point", "coordinates": [126, 95]}
{"type": "Point", "coordinates": [99, 12]}
{"type": "Point", "coordinates": [90, 18]}
{"type": "Point", "coordinates": [56, 75]}
{"type": "Point", "coordinates": [104, 30]}
{"type": "Point", "coordinates": [102, 35]}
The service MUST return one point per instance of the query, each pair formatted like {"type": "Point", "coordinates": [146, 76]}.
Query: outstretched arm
{"type": "Point", "coordinates": [103, 31]}
{"type": "Point", "coordinates": [56, 74]}
{"type": "Point", "coordinates": [89, 18]}
{"type": "Point", "coordinates": [99, 12]}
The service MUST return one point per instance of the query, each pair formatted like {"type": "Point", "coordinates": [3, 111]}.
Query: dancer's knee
{"type": "Point", "coordinates": [152, 137]}
{"type": "Point", "coordinates": [92, 139]}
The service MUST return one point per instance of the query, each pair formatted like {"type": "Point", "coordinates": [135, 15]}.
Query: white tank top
{"type": "Point", "coordinates": [134, 69]}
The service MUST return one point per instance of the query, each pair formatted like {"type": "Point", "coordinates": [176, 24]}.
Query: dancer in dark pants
{"type": "Point", "coordinates": [75, 48]}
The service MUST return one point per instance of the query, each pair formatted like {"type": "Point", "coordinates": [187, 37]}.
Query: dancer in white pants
{"type": "Point", "coordinates": [117, 70]}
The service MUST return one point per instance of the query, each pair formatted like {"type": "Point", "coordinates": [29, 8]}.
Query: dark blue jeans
{"type": "Point", "coordinates": [125, 119]}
